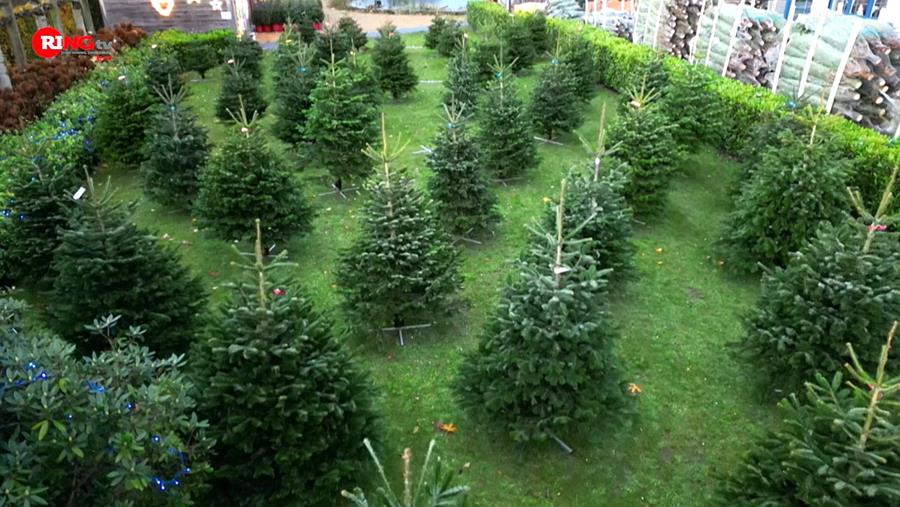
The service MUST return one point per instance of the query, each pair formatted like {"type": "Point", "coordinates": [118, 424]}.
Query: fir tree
{"type": "Point", "coordinates": [106, 265]}
{"type": "Point", "coordinates": [34, 217]}
{"type": "Point", "coordinates": [240, 89]}
{"type": "Point", "coordinates": [647, 146]}
{"type": "Point", "coordinates": [798, 186]}
{"type": "Point", "coordinates": [505, 137]}
{"type": "Point", "coordinates": [463, 84]}
{"type": "Point", "coordinates": [687, 105]}
{"type": "Point", "coordinates": [459, 187]}
{"type": "Point", "coordinates": [119, 131]}
{"type": "Point", "coordinates": [839, 288]}
{"type": "Point", "coordinates": [518, 43]}
{"type": "Point", "coordinates": [176, 152]}
{"type": "Point", "coordinates": [837, 447]}
{"type": "Point", "coordinates": [450, 39]}
{"type": "Point", "coordinates": [435, 29]}
{"type": "Point", "coordinates": [246, 180]}
{"type": "Point", "coordinates": [654, 75]}
{"type": "Point", "coordinates": [545, 362]}
{"type": "Point", "coordinates": [248, 55]}
{"type": "Point", "coordinates": [488, 51]}
{"type": "Point", "coordinates": [352, 32]}
{"type": "Point", "coordinates": [341, 122]}
{"type": "Point", "coordinates": [288, 405]}
{"type": "Point", "coordinates": [331, 41]}
{"type": "Point", "coordinates": [403, 264]}
{"type": "Point", "coordinates": [395, 74]}
{"type": "Point", "coordinates": [555, 105]}
{"type": "Point", "coordinates": [293, 93]}
{"type": "Point", "coordinates": [163, 69]}
{"type": "Point", "coordinates": [537, 25]}
{"type": "Point", "coordinates": [578, 56]}
{"type": "Point", "coordinates": [365, 82]}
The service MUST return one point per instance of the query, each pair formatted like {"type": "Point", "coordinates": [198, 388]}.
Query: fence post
{"type": "Point", "coordinates": [15, 39]}
{"type": "Point", "coordinates": [85, 11]}
{"type": "Point", "coordinates": [5, 83]}
{"type": "Point", "coordinates": [55, 17]}
{"type": "Point", "coordinates": [79, 19]}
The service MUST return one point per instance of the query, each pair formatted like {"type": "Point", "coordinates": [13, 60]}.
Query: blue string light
{"type": "Point", "coordinates": [301, 69]}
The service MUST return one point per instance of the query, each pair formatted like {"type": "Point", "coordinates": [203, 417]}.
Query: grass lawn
{"type": "Point", "coordinates": [697, 409]}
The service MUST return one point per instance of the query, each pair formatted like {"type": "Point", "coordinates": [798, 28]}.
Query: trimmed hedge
{"type": "Point", "coordinates": [197, 52]}
{"type": "Point", "coordinates": [620, 67]}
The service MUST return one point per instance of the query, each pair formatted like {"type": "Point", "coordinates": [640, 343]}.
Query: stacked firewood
{"type": "Point", "coordinates": [753, 52]}
{"type": "Point", "coordinates": [668, 25]}
{"type": "Point", "coordinates": [620, 24]}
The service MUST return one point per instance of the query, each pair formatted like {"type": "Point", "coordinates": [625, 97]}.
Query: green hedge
{"type": "Point", "coordinates": [743, 106]}
{"type": "Point", "coordinates": [198, 52]}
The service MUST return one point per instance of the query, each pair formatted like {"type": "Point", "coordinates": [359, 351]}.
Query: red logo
{"type": "Point", "coordinates": [48, 42]}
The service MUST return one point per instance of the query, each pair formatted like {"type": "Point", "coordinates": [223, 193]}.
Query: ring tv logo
{"type": "Point", "coordinates": [47, 42]}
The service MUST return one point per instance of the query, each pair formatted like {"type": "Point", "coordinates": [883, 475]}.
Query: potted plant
{"type": "Point", "coordinates": [278, 15]}
{"type": "Point", "coordinates": [261, 17]}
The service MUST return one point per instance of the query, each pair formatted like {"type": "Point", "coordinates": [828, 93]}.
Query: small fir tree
{"type": "Point", "coordinates": [288, 404]}
{"type": "Point", "coordinates": [519, 44]}
{"type": "Point", "coordinates": [537, 25]}
{"type": "Point", "coordinates": [395, 74]}
{"type": "Point", "coordinates": [247, 54]}
{"type": "Point", "coordinates": [577, 55]}
{"type": "Point", "coordinates": [463, 84]}
{"type": "Point", "coordinates": [768, 133]}
{"type": "Point", "coordinates": [105, 265]}
{"type": "Point", "coordinates": [341, 122]}
{"type": "Point", "coordinates": [488, 51]}
{"type": "Point", "coordinates": [293, 94]}
{"type": "Point", "coordinates": [798, 186]}
{"type": "Point", "coordinates": [435, 29]}
{"type": "Point", "coordinates": [554, 104]}
{"type": "Point", "coordinates": [836, 447]}
{"type": "Point", "coordinates": [289, 42]}
{"type": "Point", "coordinates": [450, 39]}
{"type": "Point", "coordinates": [647, 146]}
{"type": "Point", "coordinates": [163, 69]}
{"type": "Point", "coordinates": [352, 32]}
{"type": "Point", "coordinates": [841, 287]}
{"type": "Point", "coordinates": [246, 180]}
{"type": "Point", "coordinates": [505, 138]}
{"type": "Point", "coordinates": [176, 152]}
{"type": "Point", "coordinates": [119, 131]}
{"type": "Point", "coordinates": [403, 264]}
{"type": "Point", "coordinates": [545, 362]}
{"type": "Point", "coordinates": [365, 82]}
{"type": "Point", "coordinates": [240, 89]}
{"type": "Point", "coordinates": [654, 75]}
{"type": "Point", "coordinates": [459, 187]}
{"type": "Point", "coordinates": [331, 41]}
{"type": "Point", "coordinates": [686, 103]}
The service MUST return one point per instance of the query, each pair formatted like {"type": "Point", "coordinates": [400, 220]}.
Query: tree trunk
{"type": "Point", "coordinates": [5, 83]}
{"type": "Point", "coordinates": [15, 39]}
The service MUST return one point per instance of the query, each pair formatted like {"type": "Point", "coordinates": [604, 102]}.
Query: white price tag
{"type": "Point", "coordinates": [79, 193]}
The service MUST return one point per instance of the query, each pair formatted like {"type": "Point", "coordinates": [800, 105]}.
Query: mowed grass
{"type": "Point", "coordinates": [697, 410]}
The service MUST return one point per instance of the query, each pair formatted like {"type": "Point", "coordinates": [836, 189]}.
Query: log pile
{"type": "Point", "coordinates": [668, 25]}
{"type": "Point", "coordinates": [620, 24]}
{"type": "Point", "coordinates": [753, 52]}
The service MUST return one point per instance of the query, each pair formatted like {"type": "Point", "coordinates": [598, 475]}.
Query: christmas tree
{"type": "Point", "coordinates": [106, 265]}
{"type": "Point", "coordinates": [33, 218]}
{"type": "Point", "coordinates": [686, 103]}
{"type": "Point", "coordinates": [459, 187]}
{"type": "Point", "coordinates": [537, 25]}
{"type": "Point", "coordinates": [248, 55]}
{"type": "Point", "coordinates": [489, 50]}
{"type": "Point", "coordinates": [654, 75]}
{"type": "Point", "coordinates": [839, 288]}
{"type": "Point", "coordinates": [435, 30]}
{"type": "Point", "coordinates": [647, 146]}
{"type": "Point", "coordinates": [463, 83]}
{"type": "Point", "coordinates": [352, 32]}
{"type": "Point", "coordinates": [545, 362]}
{"type": "Point", "coordinates": [289, 43]}
{"type": "Point", "coordinates": [293, 93]}
{"type": "Point", "coordinates": [578, 56]}
{"type": "Point", "coordinates": [288, 405]}
{"type": "Point", "coordinates": [836, 447]}
{"type": "Point", "coordinates": [555, 105]}
{"type": "Point", "coordinates": [365, 83]}
{"type": "Point", "coordinates": [119, 131]}
{"type": "Point", "coordinates": [176, 152]}
{"type": "Point", "coordinates": [564, 9]}
{"type": "Point", "coordinates": [519, 43]}
{"type": "Point", "coordinates": [246, 180]}
{"type": "Point", "coordinates": [505, 137]}
{"type": "Point", "coordinates": [450, 39]}
{"type": "Point", "coordinates": [395, 74]}
{"type": "Point", "coordinates": [341, 122]}
{"type": "Point", "coordinates": [332, 42]}
{"type": "Point", "coordinates": [240, 89]}
{"type": "Point", "coordinates": [402, 266]}
{"type": "Point", "coordinates": [163, 69]}
{"type": "Point", "coordinates": [798, 186]}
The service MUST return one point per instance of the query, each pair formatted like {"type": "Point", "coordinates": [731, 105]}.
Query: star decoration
{"type": "Point", "coordinates": [216, 5]}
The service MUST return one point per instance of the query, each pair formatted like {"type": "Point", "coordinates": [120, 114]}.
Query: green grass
{"type": "Point", "coordinates": [697, 410]}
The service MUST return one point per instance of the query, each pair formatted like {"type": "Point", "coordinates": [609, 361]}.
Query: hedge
{"type": "Point", "coordinates": [198, 52]}
{"type": "Point", "coordinates": [743, 106]}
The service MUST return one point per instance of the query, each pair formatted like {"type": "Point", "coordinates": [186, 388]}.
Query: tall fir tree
{"type": "Point", "coordinates": [505, 137]}
{"type": "Point", "coordinates": [686, 103]}
{"type": "Point", "coordinates": [799, 185]}
{"type": "Point", "coordinates": [459, 187]}
{"type": "Point", "coordinates": [836, 447]}
{"type": "Point", "coordinates": [555, 106]}
{"type": "Point", "coordinates": [463, 84]}
{"type": "Point", "coordinates": [332, 41]}
{"type": "Point", "coordinates": [841, 287]}
{"type": "Point", "coordinates": [647, 146]}
{"type": "Point", "coordinates": [122, 119]}
{"type": "Point", "coordinates": [546, 362]}
{"type": "Point", "coordinates": [240, 89]}
{"type": "Point", "coordinates": [353, 33]}
{"type": "Point", "coordinates": [293, 93]}
{"type": "Point", "coordinates": [537, 25]}
{"type": "Point", "coordinates": [247, 180]}
{"type": "Point", "coordinates": [403, 264]}
{"type": "Point", "coordinates": [577, 54]}
{"type": "Point", "coordinates": [395, 74]}
{"type": "Point", "coordinates": [365, 82]}
{"type": "Point", "coordinates": [176, 152]}
{"type": "Point", "coordinates": [106, 265]}
{"type": "Point", "coordinates": [289, 406]}
{"type": "Point", "coordinates": [341, 122]}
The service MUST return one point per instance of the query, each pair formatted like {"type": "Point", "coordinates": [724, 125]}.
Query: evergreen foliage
{"type": "Point", "coordinates": [798, 185]}
{"type": "Point", "coordinates": [769, 134]}
{"type": "Point", "coordinates": [248, 55]}
{"type": "Point", "coordinates": [331, 41]}
{"type": "Point", "coordinates": [352, 32]}
{"type": "Point", "coordinates": [686, 103]}
{"type": "Point", "coordinates": [119, 130]}
{"type": "Point", "coordinates": [293, 93]}
{"type": "Point", "coordinates": [176, 152]}
{"type": "Point", "coordinates": [842, 286]}
{"type": "Point", "coordinates": [247, 180]}
{"type": "Point", "coordinates": [488, 51]}
{"type": "Point", "coordinates": [505, 137]}
{"type": "Point", "coordinates": [564, 9]}
{"type": "Point", "coordinates": [459, 187]}
{"type": "Point", "coordinates": [836, 447]}
{"type": "Point", "coordinates": [435, 30]}
{"type": "Point", "coordinates": [365, 82]}
{"type": "Point", "coordinates": [402, 265]}
{"type": "Point", "coordinates": [647, 146]}
{"type": "Point", "coordinates": [540, 38]}
{"type": "Point", "coordinates": [518, 44]}
{"type": "Point", "coordinates": [577, 55]}
{"type": "Point", "coordinates": [395, 74]}
{"type": "Point", "coordinates": [463, 83]}
{"type": "Point", "coordinates": [555, 105]}
{"type": "Point", "coordinates": [240, 90]}
{"type": "Point", "coordinates": [94, 431]}
{"type": "Point", "coordinates": [163, 69]}
{"type": "Point", "coordinates": [450, 39]}
{"type": "Point", "coordinates": [341, 122]}
{"type": "Point", "coordinates": [654, 75]}
{"type": "Point", "coordinates": [288, 405]}
{"type": "Point", "coordinates": [545, 362]}
{"type": "Point", "coordinates": [106, 265]}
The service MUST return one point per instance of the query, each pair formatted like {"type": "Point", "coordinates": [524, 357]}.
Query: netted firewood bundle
{"type": "Point", "coordinates": [564, 9]}
{"type": "Point", "coordinates": [748, 38]}
{"type": "Point", "coordinates": [868, 86]}
{"type": "Point", "coordinates": [620, 24]}
{"type": "Point", "coordinates": [668, 25]}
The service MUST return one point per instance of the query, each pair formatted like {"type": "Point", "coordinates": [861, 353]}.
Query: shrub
{"type": "Point", "coordinates": [35, 87]}
{"type": "Point", "coordinates": [195, 52]}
